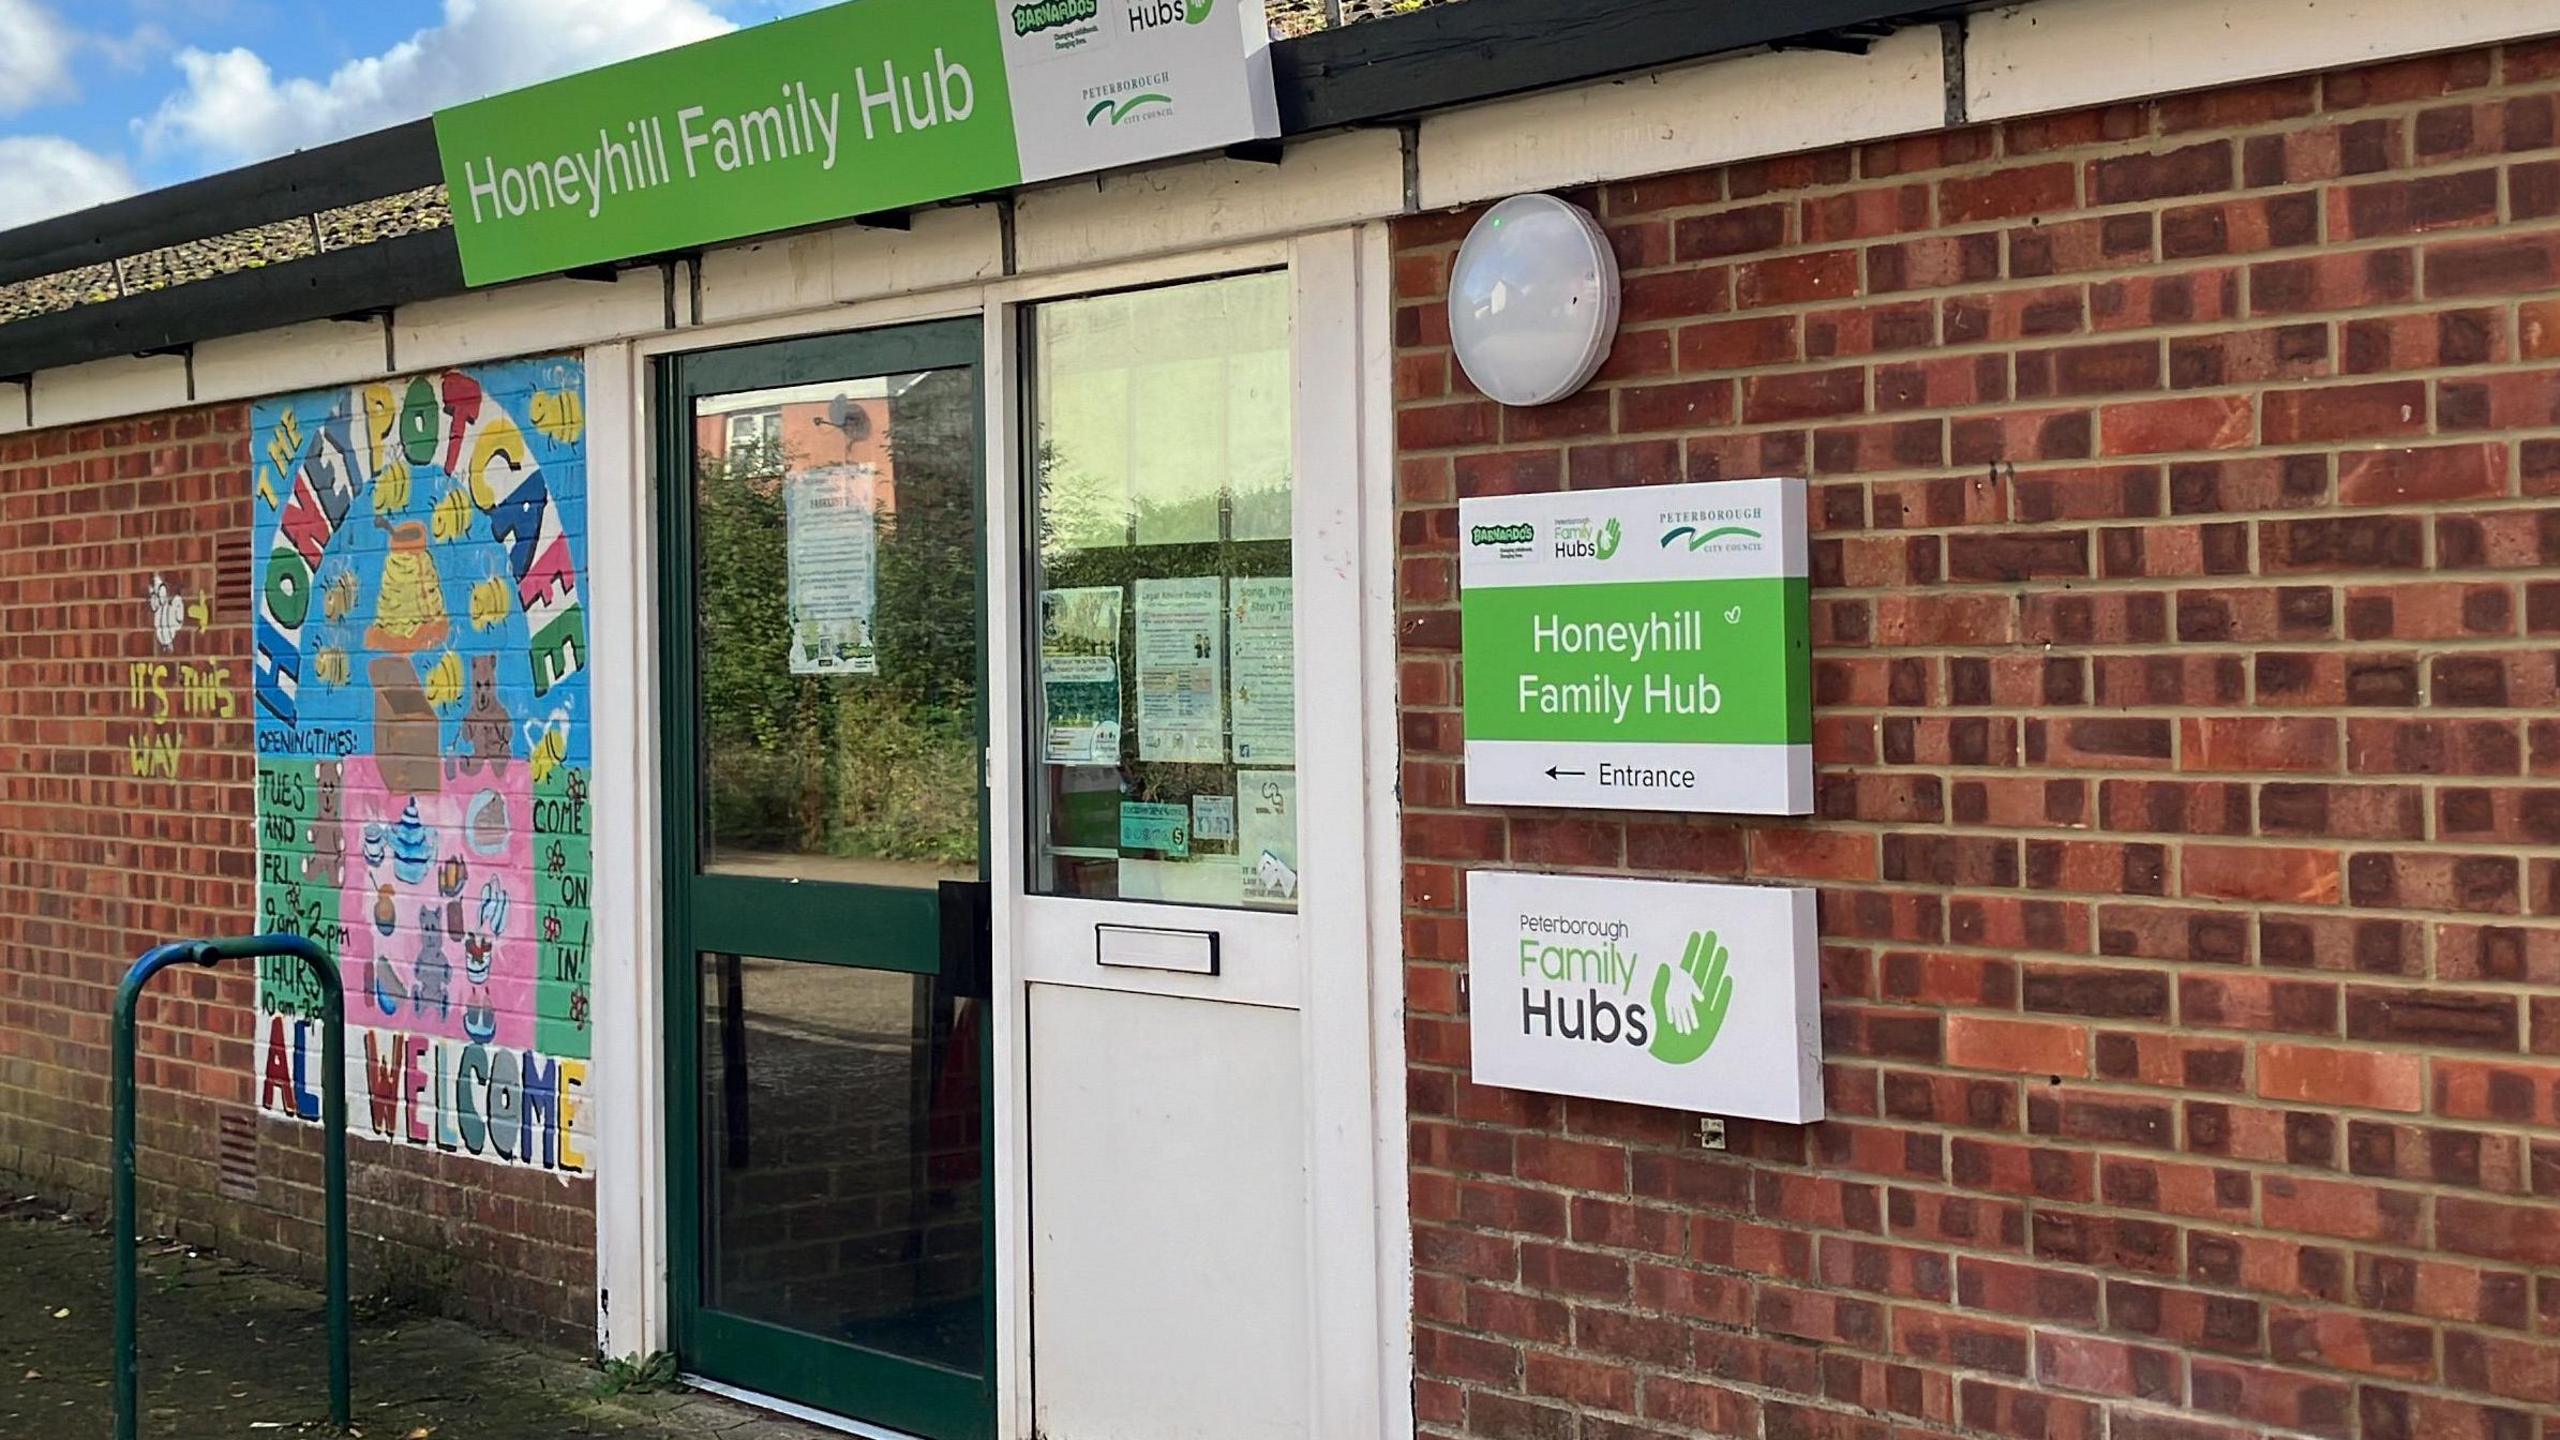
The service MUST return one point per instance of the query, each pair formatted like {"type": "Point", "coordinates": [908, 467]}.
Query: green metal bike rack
{"type": "Point", "coordinates": [333, 1120]}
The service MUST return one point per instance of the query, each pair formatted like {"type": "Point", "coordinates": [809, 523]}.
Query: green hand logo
{"type": "Point", "coordinates": [1608, 544]}
{"type": "Point", "coordinates": [1197, 11]}
{"type": "Point", "coordinates": [1690, 1000]}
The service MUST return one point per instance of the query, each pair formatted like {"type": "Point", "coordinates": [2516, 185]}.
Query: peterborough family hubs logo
{"type": "Point", "coordinates": [1584, 540]}
{"type": "Point", "coordinates": [1578, 983]}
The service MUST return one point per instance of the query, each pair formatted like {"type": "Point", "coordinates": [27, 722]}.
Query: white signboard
{"type": "Point", "coordinates": [1638, 649]}
{"type": "Point", "coordinates": [1100, 85]}
{"type": "Point", "coordinates": [1693, 996]}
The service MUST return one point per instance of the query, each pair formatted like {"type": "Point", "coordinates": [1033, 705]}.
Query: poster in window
{"type": "Point", "coordinates": [1263, 693]}
{"type": "Point", "coordinates": [1080, 675]}
{"type": "Point", "coordinates": [1182, 689]}
{"type": "Point", "coordinates": [834, 569]}
{"type": "Point", "coordinates": [1268, 835]}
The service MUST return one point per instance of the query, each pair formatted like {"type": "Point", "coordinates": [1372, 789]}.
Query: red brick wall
{"type": "Point", "coordinates": [126, 819]}
{"type": "Point", "coordinates": [2187, 681]}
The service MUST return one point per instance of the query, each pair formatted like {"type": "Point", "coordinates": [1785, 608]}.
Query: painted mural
{"type": "Point", "coordinates": [419, 660]}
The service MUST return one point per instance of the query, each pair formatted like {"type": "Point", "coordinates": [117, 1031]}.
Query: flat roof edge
{"type": "Point", "coordinates": [1377, 72]}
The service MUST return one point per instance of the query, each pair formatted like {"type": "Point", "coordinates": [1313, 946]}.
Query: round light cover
{"type": "Point", "coordinates": [1533, 302]}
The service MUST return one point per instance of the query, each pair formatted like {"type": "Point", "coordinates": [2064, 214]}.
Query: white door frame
{"type": "Point", "coordinates": [1360, 1237]}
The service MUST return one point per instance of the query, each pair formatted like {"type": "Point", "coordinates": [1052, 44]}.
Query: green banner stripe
{"type": "Point", "coordinates": [1680, 661]}
{"type": "Point", "coordinates": [837, 112]}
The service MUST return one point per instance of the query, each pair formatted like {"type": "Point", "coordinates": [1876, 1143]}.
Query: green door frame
{"type": "Point", "coordinates": [734, 914]}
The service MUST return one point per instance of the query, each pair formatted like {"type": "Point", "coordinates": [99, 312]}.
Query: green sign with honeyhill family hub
{"type": "Point", "coordinates": [1639, 649]}
{"type": "Point", "coordinates": [861, 107]}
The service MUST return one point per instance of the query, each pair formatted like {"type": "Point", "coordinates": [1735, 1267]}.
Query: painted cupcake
{"type": "Point", "coordinates": [377, 845]}
{"type": "Point", "coordinates": [412, 848]}
{"type": "Point", "coordinates": [480, 1014]}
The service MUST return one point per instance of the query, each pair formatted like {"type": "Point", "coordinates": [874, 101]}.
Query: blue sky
{"type": "Point", "coordinates": [99, 98]}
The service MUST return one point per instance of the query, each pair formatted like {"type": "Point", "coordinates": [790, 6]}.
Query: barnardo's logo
{"type": "Point", "coordinates": [1522, 534]}
{"type": "Point", "coordinates": [1128, 102]}
{"type": "Point", "coordinates": [1050, 14]}
{"type": "Point", "coordinates": [1579, 983]}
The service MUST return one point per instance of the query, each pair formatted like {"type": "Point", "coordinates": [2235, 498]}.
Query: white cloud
{"type": "Point", "coordinates": [43, 175]}
{"type": "Point", "coordinates": [35, 56]}
{"type": "Point", "coordinates": [235, 108]}
{"type": "Point", "coordinates": [134, 49]}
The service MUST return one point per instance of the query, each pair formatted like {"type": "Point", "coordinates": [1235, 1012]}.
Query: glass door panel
{"type": "Point", "coordinates": [843, 1183]}
{"type": "Point", "coordinates": [1164, 691]}
{"type": "Point", "coordinates": [837, 548]}
{"type": "Point", "coordinates": [827, 818]}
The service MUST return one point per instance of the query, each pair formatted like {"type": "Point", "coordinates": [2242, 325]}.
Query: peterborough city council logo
{"type": "Point", "coordinates": [1117, 111]}
{"type": "Point", "coordinates": [1700, 539]}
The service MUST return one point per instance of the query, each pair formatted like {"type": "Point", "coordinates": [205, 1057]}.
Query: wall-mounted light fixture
{"type": "Point", "coordinates": [1533, 302]}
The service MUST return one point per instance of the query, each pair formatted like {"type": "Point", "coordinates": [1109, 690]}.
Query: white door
{"type": "Point", "coordinates": [1185, 929]}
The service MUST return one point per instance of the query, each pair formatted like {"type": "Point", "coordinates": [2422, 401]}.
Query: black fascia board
{"type": "Point", "coordinates": [1451, 55]}
{"type": "Point", "coordinates": [355, 281]}
{"type": "Point", "coordinates": [289, 187]}
{"type": "Point", "coordinates": [1375, 72]}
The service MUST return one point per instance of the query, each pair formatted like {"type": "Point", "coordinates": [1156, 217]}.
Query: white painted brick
{"type": "Point", "coordinates": [848, 263]}
{"type": "Point", "coordinates": [1320, 184]}
{"type": "Point", "coordinates": [2063, 54]}
{"type": "Point", "coordinates": [536, 318]}
{"type": "Point", "coordinates": [297, 357]}
{"type": "Point", "coordinates": [1738, 109]}
{"type": "Point", "coordinates": [104, 389]}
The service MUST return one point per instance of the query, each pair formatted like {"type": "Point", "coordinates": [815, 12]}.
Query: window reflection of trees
{"type": "Point", "coordinates": [1117, 374]}
{"type": "Point", "coordinates": [882, 766]}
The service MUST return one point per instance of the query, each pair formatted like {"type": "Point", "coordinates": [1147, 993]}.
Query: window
{"type": "Point", "coordinates": [1164, 692]}
{"type": "Point", "coordinates": [755, 440]}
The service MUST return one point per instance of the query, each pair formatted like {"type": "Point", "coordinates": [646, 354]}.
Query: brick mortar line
{"type": "Point", "coordinates": [2307, 908]}
{"type": "Point", "coordinates": [2405, 163]}
{"type": "Point", "coordinates": [2334, 449]}
{"type": "Point", "coordinates": [2199, 1034]}
{"type": "Point", "coordinates": [2027, 345]}
{"type": "Point", "coordinates": [2425, 1119]}
{"type": "Point", "coordinates": [2151, 264]}
{"type": "Point", "coordinates": [1950, 1309]}
{"type": "Point", "coordinates": [2524, 1134]}
{"type": "Point", "coordinates": [2030, 1206]}
{"type": "Point", "coordinates": [2281, 909]}
{"type": "Point", "coordinates": [2120, 269]}
{"type": "Point", "coordinates": [1880, 829]}
{"type": "Point", "coordinates": [2109, 1405]}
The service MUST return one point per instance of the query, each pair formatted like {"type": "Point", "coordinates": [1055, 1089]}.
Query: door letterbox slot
{"type": "Point", "coordinates": [1139, 947]}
